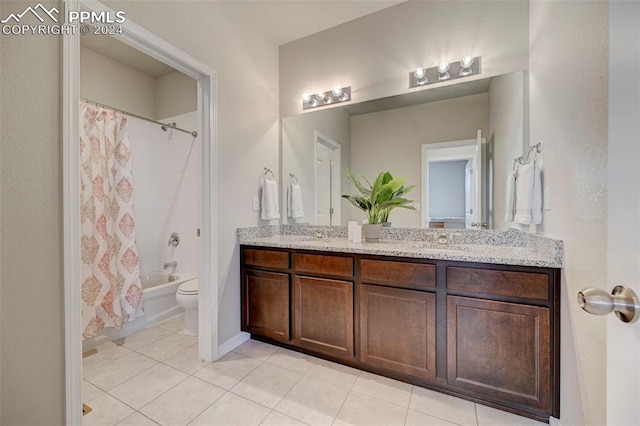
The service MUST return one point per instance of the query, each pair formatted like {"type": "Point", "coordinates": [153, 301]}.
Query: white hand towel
{"type": "Point", "coordinates": [296, 208]}
{"type": "Point", "coordinates": [270, 209]}
{"type": "Point", "coordinates": [536, 202]}
{"type": "Point", "coordinates": [511, 197]}
{"type": "Point", "coordinates": [524, 194]}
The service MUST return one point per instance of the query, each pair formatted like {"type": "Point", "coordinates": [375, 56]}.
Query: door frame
{"type": "Point", "coordinates": [319, 137]}
{"type": "Point", "coordinates": [148, 43]}
{"type": "Point", "coordinates": [445, 151]}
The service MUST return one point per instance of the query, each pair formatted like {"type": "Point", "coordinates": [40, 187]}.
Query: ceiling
{"type": "Point", "coordinates": [281, 21]}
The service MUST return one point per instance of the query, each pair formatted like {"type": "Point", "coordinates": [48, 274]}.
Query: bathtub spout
{"type": "Point", "coordinates": [172, 264]}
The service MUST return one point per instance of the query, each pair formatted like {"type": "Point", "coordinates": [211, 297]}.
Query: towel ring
{"type": "Point", "coordinates": [293, 178]}
{"type": "Point", "coordinates": [267, 171]}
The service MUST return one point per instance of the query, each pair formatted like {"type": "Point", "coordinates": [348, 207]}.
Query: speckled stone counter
{"type": "Point", "coordinates": [499, 247]}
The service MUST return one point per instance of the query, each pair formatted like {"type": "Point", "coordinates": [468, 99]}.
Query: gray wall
{"type": "Point", "coordinates": [446, 188]}
{"type": "Point", "coordinates": [32, 326]}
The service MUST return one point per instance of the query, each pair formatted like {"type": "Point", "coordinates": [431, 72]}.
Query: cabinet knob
{"type": "Point", "coordinates": [623, 301]}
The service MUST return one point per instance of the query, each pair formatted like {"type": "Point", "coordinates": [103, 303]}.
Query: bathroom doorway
{"type": "Point", "coordinates": [142, 41]}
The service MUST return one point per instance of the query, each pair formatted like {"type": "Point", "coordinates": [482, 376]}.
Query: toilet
{"type": "Point", "coordinates": [187, 298]}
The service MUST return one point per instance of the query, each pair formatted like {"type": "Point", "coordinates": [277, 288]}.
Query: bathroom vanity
{"type": "Point", "coordinates": [478, 321]}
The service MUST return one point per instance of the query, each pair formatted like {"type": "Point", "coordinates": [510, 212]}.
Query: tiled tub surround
{"type": "Point", "coordinates": [499, 247]}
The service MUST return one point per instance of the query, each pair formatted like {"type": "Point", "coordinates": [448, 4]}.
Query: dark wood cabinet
{"type": "Point", "coordinates": [398, 330]}
{"type": "Point", "coordinates": [265, 309]}
{"type": "Point", "coordinates": [323, 315]}
{"type": "Point", "coordinates": [501, 350]}
{"type": "Point", "coordinates": [488, 333]}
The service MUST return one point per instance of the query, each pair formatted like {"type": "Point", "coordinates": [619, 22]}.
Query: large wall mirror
{"type": "Point", "coordinates": [456, 143]}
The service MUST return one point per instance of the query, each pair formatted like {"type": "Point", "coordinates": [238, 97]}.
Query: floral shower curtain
{"type": "Point", "coordinates": [111, 289]}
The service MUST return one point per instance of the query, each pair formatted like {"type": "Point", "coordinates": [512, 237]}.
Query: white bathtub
{"type": "Point", "coordinates": [159, 295]}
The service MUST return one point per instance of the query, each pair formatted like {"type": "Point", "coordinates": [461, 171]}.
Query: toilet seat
{"type": "Point", "coordinates": [189, 287]}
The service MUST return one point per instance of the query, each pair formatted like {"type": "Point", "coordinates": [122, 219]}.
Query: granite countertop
{"type": "Point", "coordinates": [499, 247]}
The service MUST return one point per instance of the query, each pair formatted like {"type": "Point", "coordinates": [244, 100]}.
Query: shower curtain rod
{"type": "Point", "coordinates": [163, 126]}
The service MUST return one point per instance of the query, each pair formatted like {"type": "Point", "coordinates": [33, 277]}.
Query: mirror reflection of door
{"type": "Point", "coordinates": [452, 184]}
{"type": "Point", "coordinates": [327, 180]}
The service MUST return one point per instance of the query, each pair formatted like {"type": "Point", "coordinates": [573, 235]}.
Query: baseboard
{"type": "Point", "coordinates": [554, 422]}
{"type": "Point", "coordinates": [233, 343]}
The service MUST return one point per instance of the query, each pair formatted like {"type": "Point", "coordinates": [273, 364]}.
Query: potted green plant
{"type": "Point", "coordinates": [378, 199]}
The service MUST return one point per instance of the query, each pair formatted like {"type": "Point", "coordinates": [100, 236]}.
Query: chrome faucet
{"type": "Point", "coordinates": [172, 264]}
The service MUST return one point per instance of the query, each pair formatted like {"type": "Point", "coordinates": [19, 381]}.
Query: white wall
{"type": "Point", "coordinates": [392, 141]}
{"type": "Point", "coordinates": [375, 53]}
{"type": "Point", "coordinates": [167, 179]}
{"type": "Point", "coordinates": [176, 94]}
{"type": "Point", "coordinates": [112, 83]}
{"type": "Point", "coordinates": [31, 281]}
{"type": "Point", "coordinates": [298, 147]}
{"type": "Point", "coordinates": [506, 136]}
{"type": "Point", "coordinates": [246, 63]}
{"type": "Point", "coordinates": [568, 90]}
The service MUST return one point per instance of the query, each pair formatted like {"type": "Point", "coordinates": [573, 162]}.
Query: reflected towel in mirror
{"type": "Point", "coordinates": [294, 202]}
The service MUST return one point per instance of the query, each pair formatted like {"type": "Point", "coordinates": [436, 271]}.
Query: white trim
{"type": "Point", "coordinates": [148, 43]}
{"type": "Point", "coordinates": [233, 343]}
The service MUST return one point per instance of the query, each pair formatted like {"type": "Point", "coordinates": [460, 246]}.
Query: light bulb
{"type": "Point", "coordinates": [337, 91]}
{"type": "Point", "coordinates": [420, 73]}
{"type": "Point", "coordinates": [467, 61]}
{"type": "Point", "coordinates": [306, 97]}
{"type": "Point", "coordinates": [321, 95]}
{"type": "Point", "coordinates": [465, 65]}
{"type": "Point", "coordinates": [443, 67]}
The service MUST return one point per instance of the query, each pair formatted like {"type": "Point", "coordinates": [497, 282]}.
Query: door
{"type": "Point", "coordinates": [327, 187]}
{"type": "Point", "coordinates": [623, 340]}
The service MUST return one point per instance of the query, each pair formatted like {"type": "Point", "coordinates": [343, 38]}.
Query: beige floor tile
{"type": "Point", "coordinates": [89, 391]}
{"type": "Point", "coordinates": [101, 355]}
{"type": "Point", "coordinates": [279, 419]}
{"type": "Point", "coordinates": [106, 410]}
{"type": "Point", "coordinates": [228, 370]}
{"type": "Point", "coordinates": [256, 349]}
{"type": "Point", "coordinates": [182, 403]}
{"type": "Point", "coordinates": [163, 348]}
{"type": "Point", "coordinates": [173, 324]}
{"type": "Point", "coordinates": [148, 385]}
{"type": "Point", "coordinates": [333, 373]}
{"type": "Point", "coordinates": [488, 416]}
{"type": "Point", "coordinates": [365, 410]}
{"type": "Point", "coordinates": [266, 385]}
{"type": "Point", "coordinates": [232, 410]}
{"type": "Point", "coordinates": [187, 360]}
{"type": "Point", "coordinates": [122, 369]}
{"type": "Point", "coordinates": [389, 390]}
{"type": "Point", "coordinates": [443, 406]}
{"type": "Point", "coordinates": [418, 419]}
{"type": "Point", "coordinates": [313, 402]}
{"type": "Point", "coordinates": [137, 419]}
{"type": "Point", "coordinates": [291, 360]}
{"type": "Point", "coordinates": [143, 337]}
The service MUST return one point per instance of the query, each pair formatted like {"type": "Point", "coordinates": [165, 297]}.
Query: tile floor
{"type": "Point", "coordinates": [154, 377]}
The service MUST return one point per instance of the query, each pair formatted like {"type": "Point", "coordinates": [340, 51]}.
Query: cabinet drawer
{"type": "Point", "coordinates": [526, 285]}
{"type": "Point", "coordinates": [402, 274]}
{"type": "Point", "coordinates": [323, 264]}
{"type": "Point", "coordinates": [266, 258]}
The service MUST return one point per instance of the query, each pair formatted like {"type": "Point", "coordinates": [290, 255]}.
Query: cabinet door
{"type": "Point", "coordinates": [500, 349]}
{"type": "Point", "coordinates": [266, 304]}
{"type": "Point", "coordinates": [323, 315]}
{"type": "Point", "coordinates": [398, 330]}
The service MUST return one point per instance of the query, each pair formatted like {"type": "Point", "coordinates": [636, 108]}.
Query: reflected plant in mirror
{"type": "Point", "coordinates": [378, 199]}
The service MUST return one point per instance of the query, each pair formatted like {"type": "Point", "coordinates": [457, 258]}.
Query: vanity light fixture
{"type": "Point", "coordinates": [469, 65]}
{"type": "Point", "coordinates": [335, 95]}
